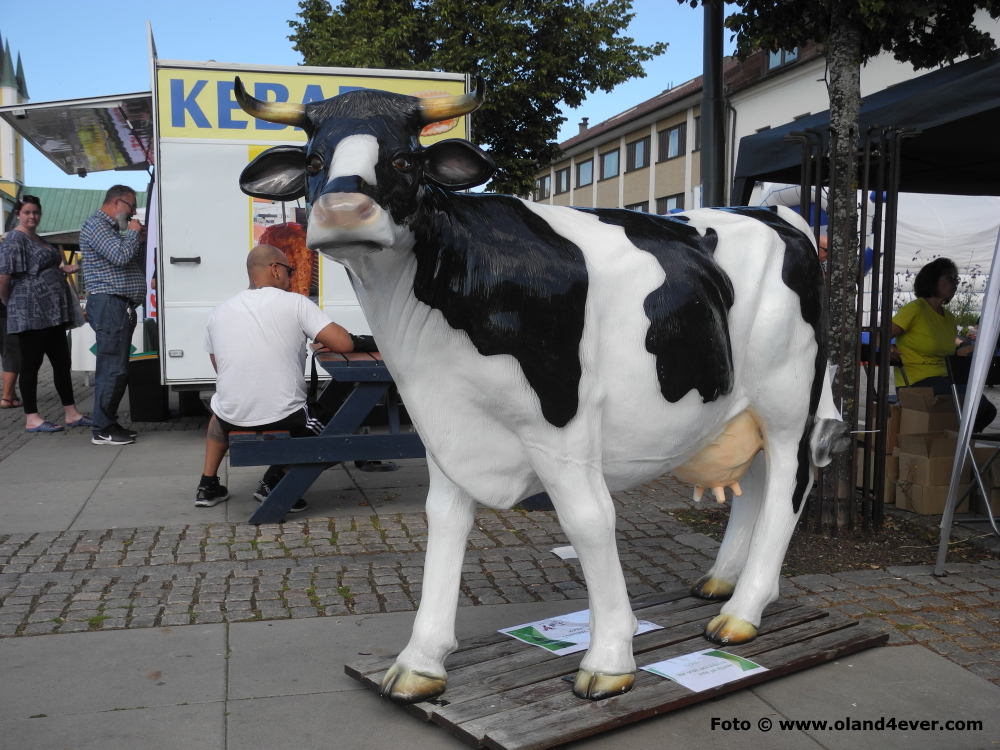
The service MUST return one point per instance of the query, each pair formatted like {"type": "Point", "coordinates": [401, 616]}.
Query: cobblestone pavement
{"type": "Point", "coordinates": [145, 577]}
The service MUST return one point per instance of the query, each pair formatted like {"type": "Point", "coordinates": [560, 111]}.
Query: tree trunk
{"type": "Point", "coordinates": [844, 87]}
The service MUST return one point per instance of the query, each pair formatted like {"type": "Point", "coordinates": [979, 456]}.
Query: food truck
{"type": "Point", "coordinates": [192, 137]}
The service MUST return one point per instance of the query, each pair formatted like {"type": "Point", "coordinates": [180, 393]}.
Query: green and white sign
{"type": "Point", "coordinates": [565, 634]}
{"type": "Point", "coordinates": [704, 670]}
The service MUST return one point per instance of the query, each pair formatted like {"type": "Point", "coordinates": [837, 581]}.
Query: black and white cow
{"type": "Point", "coordinates": [574, 351]}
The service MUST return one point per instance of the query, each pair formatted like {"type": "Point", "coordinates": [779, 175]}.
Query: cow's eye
{"type": "Point", "coordinates": [315, 164]}
{"type": "Point", "coordinates": [402, 163]}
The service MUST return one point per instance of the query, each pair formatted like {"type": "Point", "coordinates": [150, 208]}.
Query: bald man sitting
{"type": "Point", "coordinates": [257, 342]}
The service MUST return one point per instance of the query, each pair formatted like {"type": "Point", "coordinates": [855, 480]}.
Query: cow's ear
{"type": "Point", "coordinates": [278, 174]}
{"type": "Point", "coordinates": [456, 164]}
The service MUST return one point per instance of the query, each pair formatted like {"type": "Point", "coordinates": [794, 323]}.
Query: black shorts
{"type": "Point", "coordinates": [298, 423]}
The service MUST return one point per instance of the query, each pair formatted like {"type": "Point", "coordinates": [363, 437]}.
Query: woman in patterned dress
{"type": "Point", "coordinates": [33, 286]}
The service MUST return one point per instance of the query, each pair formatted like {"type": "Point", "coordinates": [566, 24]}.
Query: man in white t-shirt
{"type": "Point", "coordinates": [257, 342]}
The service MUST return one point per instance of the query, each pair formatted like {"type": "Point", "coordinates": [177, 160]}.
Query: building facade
{"type": "Point", "coordinates": [13, 90]}
{"type": "Point", "coordinates": [647, 159]}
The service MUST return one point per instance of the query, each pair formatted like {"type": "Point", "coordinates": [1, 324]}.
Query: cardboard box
{"type": "Point", "coordinates": [926, 500]}
{"type": "Point", "coordinates": [992, 478]}
{"type": "Point", "coordinates": [922, 411]}
{"type": "Point", "coordinates": [927, 458]}
{"type": "Point", "coordinates": [892, 428]}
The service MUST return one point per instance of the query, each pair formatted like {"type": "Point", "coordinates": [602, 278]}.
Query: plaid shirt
{"type": "Point", "coordinates": [112, 263]}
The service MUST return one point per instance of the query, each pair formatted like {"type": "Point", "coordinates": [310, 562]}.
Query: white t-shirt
{"type": "Point", "coordinates": [259, 341]}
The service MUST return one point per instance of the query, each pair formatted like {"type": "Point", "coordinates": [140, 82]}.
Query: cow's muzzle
{"type": "Point", "coordinates": [344, 211]}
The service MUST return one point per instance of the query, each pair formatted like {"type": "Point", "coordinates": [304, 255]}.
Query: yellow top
{"type": "Point", "coordinates": [926, 340]}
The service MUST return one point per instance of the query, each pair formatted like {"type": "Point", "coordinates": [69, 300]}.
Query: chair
{"type": "Point", "coordinates": [959, 369]}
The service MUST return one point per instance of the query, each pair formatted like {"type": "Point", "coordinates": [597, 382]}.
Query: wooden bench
{"type": "Point", "coordinates": [369, 381]}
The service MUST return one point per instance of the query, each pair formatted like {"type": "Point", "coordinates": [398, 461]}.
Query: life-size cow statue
{"type": "Point", "coordinates": [575, 351]}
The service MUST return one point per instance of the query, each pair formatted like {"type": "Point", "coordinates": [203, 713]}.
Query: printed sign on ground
{"type": "Point", "coordinates": [565, 634]}
{"type": "Point", "coordinates": [704, 670]}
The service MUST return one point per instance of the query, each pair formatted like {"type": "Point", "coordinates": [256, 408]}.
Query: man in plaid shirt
{"type": "Point", "coordinates": [114, 271]}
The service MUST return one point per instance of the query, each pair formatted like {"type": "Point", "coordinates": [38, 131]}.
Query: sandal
{"type": "Point", "coordinates": [10, 403]}
{"type": "Point", "coordinates": [45, 426]}
{"type": "Point", "coordinates": [84, 421]}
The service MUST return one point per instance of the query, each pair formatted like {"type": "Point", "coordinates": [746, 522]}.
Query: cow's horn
{"type": "Point", "coordinates": [446, 107]}
{"type": "Point", "coordinates": [282, 113]}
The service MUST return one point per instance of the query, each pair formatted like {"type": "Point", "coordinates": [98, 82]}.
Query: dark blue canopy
{"type": "Point", "coordinates": [957, 108]}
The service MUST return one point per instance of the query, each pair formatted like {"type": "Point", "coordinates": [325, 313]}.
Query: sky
{"type": "Point", "coordinates": [72, 51]}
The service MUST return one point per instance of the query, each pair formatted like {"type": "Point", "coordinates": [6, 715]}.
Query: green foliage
{"type": "Point", "coordinates": [923, 34]}
{"type": "Point", "coordinates": [535, 55]}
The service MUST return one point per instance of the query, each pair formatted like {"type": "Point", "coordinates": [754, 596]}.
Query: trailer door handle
{"type": "Point", "coordinates": [196, 259]}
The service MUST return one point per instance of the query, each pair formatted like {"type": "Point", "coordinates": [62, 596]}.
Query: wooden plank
{"type": "Point", "coordinates": [497, 677]}
{"type": "Point", "coordinates": [468, 651]}
{"type": "Point", "coordinates": [470, 721]}
{"type": "Point", "coordinates": [599, 716]}
{"type": "Point", "coordinates": [356, 359]}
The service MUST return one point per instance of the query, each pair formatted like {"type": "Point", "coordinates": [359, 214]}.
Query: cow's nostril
{"type": "Point", "coordinates": [343, 210]}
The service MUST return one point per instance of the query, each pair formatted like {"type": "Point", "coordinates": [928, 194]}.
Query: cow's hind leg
{"type": "Point", "coordinates": [720, 581]}
{"type": "Point", "coordinates": [758, 583]}
{"type": "Point", "coordinates": [587, 515]}
{"type": "Point", "coordinates": [419, 672]}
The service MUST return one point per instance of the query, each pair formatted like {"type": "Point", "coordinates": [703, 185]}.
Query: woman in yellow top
{"type": "Point", "coordinates": [925, 333]}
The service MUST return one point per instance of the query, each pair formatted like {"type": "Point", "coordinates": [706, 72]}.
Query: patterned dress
{"type": "Point", "coordinates": [37, 286]}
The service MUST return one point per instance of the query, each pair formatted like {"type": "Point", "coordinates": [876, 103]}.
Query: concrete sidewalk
{"type": "Point", "coordinates": [132, 618]}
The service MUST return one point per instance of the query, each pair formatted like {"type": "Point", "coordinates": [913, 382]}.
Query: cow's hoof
{"type": "Point", "coordinates": [598, 686]}
{"type": "Point", "coordinates": [726, 629]}
{"type": "Point", "coordinates": [406, 686]}
{"type": "Point", "coordinates": [708, 587]}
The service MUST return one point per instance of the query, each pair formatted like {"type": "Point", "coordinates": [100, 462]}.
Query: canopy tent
{"type": "Point", "coordinates": [956, 108]}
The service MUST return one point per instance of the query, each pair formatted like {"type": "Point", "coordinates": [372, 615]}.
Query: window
{"type": "Point", "coordinates": [669, 203]}
{"type": "Point", "coordinates": [637, 154]}
{"type": "Point", "coordinates": [584, 173]}
{"type": "Point", "coordinates": [782, 57]}
{"type": "Point", "coordinates": [543, 188]}
{"type": "Point", "coordinates": [562, 181]}
{"type": "Point", "coordinates": [673, 142]}
{"type": "Point", "coordinates": [642, 208]}
{"type": "Point", "coordinates": [697, 134]}
{"type": "Point", "coordinates": [609, 165]}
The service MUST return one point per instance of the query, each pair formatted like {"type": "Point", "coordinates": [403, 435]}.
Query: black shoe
{"type": "Point", "coordinates": [263, 490]}
{"type": "Point", "coordinates": [210, 495]}
{"type": "Point", "coordinates": [112, 437]}
{"type": "Point", "coordinates": [300, 505]}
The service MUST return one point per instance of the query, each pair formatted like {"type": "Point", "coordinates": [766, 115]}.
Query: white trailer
{"type": "Point", "coordinates": [190, 133]}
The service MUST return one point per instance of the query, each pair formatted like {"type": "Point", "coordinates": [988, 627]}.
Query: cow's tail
{"type": "Point", "coordinates": [830, 433]}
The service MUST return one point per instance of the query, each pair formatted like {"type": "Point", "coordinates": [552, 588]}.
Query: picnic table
{"type": "Point", "coordinates": [369, 380]}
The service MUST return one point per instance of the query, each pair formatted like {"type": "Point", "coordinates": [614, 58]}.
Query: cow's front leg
{"type": "Point", "coordinates": [758, 584]}
{"type": "Point", "coordinates": [587, 515]}
{"type": "Point", "coordinates": [419, 672]}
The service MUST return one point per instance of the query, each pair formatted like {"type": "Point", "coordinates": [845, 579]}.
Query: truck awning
{"type": "Point", "coordinates": [89, 135]}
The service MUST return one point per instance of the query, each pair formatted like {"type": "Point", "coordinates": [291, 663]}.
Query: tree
{"type": "Point", "coordinates": [922, 33]}
{"type": "Point", "coordinates": [535, 56]}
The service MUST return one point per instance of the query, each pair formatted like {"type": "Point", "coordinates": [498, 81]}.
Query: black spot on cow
{"type": "Point", "coordinates": [802, 273]}
{"type": "Point", "coordinates": [501, 274]}
{"type": "Point", "coordinates": [689, 313]}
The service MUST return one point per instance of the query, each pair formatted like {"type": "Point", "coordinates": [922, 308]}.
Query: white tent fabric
{"type": "Point", "coordinates": [982, 356]}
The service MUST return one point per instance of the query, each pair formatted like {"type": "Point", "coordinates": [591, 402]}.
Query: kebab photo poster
{"type": "Point", "coordinates": [283, 225]}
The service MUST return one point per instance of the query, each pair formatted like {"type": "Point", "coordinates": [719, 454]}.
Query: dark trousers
{"type": "Point", "coordinates": [36, 345]}
{"type": "Point", "coordinates": [10, 352]}
{"type": "Point", "coordinates": [942, 387]}
{"type": "Point", "coordinates": [113, 320]}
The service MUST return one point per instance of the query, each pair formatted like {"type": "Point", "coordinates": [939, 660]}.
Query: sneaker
{"type": "Point", "coordinates": [263, 490]}
{"type": "Point", "coordinates": [210, 495]}
{"type": "Point", "coordinates": [112, 437]}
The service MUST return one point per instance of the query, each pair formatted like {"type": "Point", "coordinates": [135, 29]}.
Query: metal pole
{"type": "Point", "coordinates": [713, 109]}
